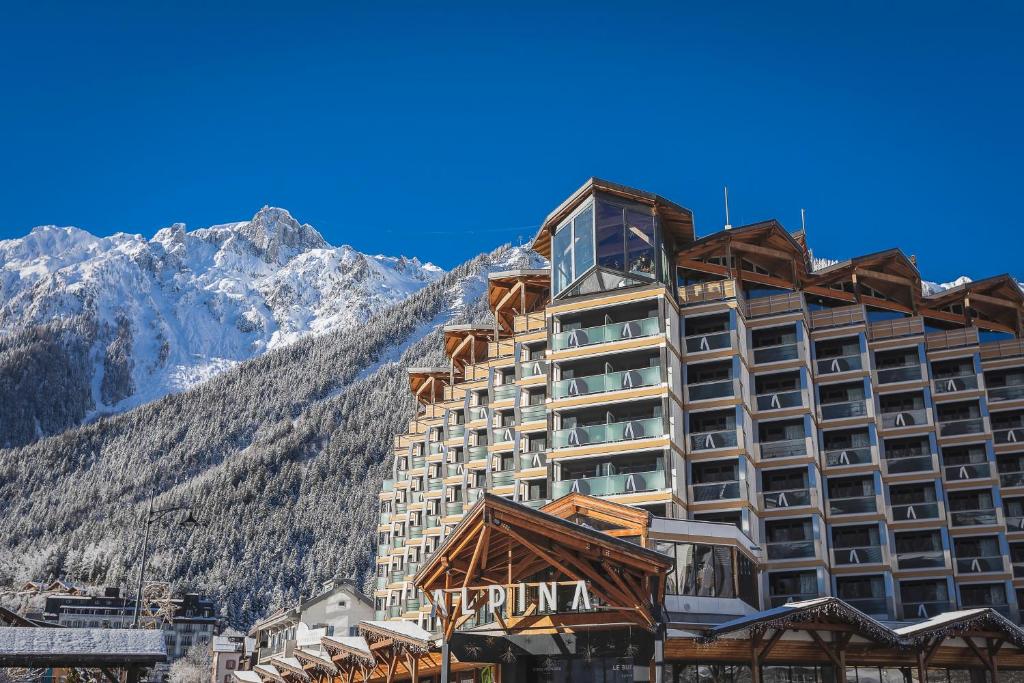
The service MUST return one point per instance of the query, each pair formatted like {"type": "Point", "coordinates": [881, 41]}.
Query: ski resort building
{"type": "Point", "coordinates": [682, 458]}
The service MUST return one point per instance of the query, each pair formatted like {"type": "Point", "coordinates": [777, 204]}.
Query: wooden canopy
{"type": "Point", "coordinates": [764, 246]}
{"type": "Point", "coordinates": [994, 301]}
{"type": "Point", "coordinates": [427, 384]}
{"type": "Point", "coordinates": [517, 292]}
{"type": "Point", "coordinates": [502, 542]}
{"type": "Point", "coordinates": [676, 221]}
{"type": "Point", "coordinates": [466, 345]}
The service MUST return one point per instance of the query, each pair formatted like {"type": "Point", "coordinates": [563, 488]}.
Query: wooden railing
{"type": "Point", "coordinates": [1002, 348]}
{"type": "Point", "coordinates": [899, 327]}
{"type": "Point", "coordinates": [501, 349]}
{"type": "Point", "coordinates": [706, 292]}
{"type": "Point", "coordinates": [951, 339]}
{"type": "Point", "coordinates": [529, 322]}
{"type": "Point", "coordinates": [774, 305]}
{"type": "Point", "coordinates": [842, 316]}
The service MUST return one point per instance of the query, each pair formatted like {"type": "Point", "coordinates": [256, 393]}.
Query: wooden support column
{"type": "Point", "coordinates": [755, 660]}
{"type": "Point", "coordinates": [922, 668]}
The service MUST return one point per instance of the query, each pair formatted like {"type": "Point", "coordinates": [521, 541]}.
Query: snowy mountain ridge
{"type": "Point", "coordinates": [171, 311]}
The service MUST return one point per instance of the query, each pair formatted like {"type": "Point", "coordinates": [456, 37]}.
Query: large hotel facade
{"type": "Point", "coordinates": [686, 458]}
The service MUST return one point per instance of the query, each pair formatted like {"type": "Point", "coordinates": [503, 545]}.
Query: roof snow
{"type": "Point", "coordinates": [90, 643]}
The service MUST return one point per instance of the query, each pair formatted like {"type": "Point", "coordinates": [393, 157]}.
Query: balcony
{"type": "Point", "coordinates": [532, 413]}
{"type": "Point", "coordinates": [454, 507]}
{"type": "Point", "coordinates": [705, 391]}
{"type": "Point", "coordinates": [967, 471]}
{"type": "Point", "coordinates": [718, 490]}
{"type": "Point", "coordinates": [1012, 479]}
{"type": "Point", "coordinates": [454, 469]}
{"type": "Point", "coordinates": [774, 305]}
{"type": "Point", "coordinates": [921, 559]}
{"type": "Point", "coordinates": [910, 463]}
{"type": "Point", "coordinates": [707, 292]}
{"type": "Point", "coordinates": [612, 381]}
{"type": "Point", "coordinates": [609, 433]}
{"type": "Point", "coordinates": [503, 434]}
{"type": "Point", "coordinates": [953, 385]}
{"type": "Point", "coordinates": [532, 460]}
{"type": "Point", "coordinates": [951, 339]}
{"type": "Point", "coordinates": [432, 521]}
{"type": "Point", "coordinates": [456, 431]}
{"type": "Point", "coordinates": [839, 364]}
{"type": "Point", "coordinates": [787, 448]}
{"type": "Point", "coordinates": [917, 417]}
{"type": "Point", "coordinates": [868, 554]}
{"type": "Point", "coordinates": [1012, 435]}
{"type": "Point", "coordinates": [503, 478]}
{"type": "Point", "coordinates": [792, 550]}
{"type": "Point", "coordinates": [979, 517]}
{"type": "Point", "coordinates": [891, 329]}
{"type": "Point", "coordinates": [434, 484]}
{"type": "Point", "coordinates": [910, 372]}
{"type": "Point", "coordinates": [504, 392]}
{"type": "Point", "coordinates": [781, 400]}
{"type": "Point", "coordinates": [383, 549]}
{"type": "Point", "coordinates": [478, 452]}
{"type": "Point", "coordinates": [610, 485]}
{"type": "Point", "coordinates": [974, 425]}
{"type": "Point", "coordinates": [388, 485]}
{"type": "Point", "coordinates": [789, 498]}
{"type": "Point", "coordinates": [712, 341]}
{"type": "Point", "coordinates": [1010, 392]}
{"type": "Point", "coordinates": [853, 505]}
{"type": "Point", "coordinates": [844, 410]}
{"type": "Point", "coordinates": [916, 512]}
{"type": "Point", "coordinates": [916, 611]}
{"type": "Point", "coordinates": [709, 441]}
{"type": "Point", "coordinates": [601, 334]}
{"type": "Point", "coordinates": [980, 565]}
{"type": "Point", "coordinates": [533, 368]}
{"type": "Point", "coordinates": [776, 354]}
{"type": "Point", "coordinates": [845, 457]}
{"type": "Point", "coordinates": [841, 316]}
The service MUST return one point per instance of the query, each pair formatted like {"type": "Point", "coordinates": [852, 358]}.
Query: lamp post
{"type": "Point", "coordinates": [153, 516]}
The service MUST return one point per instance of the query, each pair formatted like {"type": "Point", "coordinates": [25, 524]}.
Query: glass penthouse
{"type": "Point", "coordinates": [785, 433]}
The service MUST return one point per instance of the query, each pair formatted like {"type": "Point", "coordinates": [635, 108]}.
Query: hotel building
{"type": "Point", "coordinates": [762, 468]}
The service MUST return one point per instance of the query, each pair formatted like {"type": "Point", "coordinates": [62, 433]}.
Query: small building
{"type": "Point", "coordinates": [228, 655]}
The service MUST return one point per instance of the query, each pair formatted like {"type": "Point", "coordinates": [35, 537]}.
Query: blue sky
{"type": "Point", "coordinates": [441, 130]}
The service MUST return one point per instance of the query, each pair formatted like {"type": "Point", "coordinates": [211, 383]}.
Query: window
{"type": "Point", "coordinates": [572, 248]}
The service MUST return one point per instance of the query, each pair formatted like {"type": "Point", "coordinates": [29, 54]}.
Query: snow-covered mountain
{"type": "Point", "coordinates": [166, 313]}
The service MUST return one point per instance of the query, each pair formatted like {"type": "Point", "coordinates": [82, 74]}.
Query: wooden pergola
{"type": "Point", "coordinates": [500, 542]}
{"type": "Point", "coordinates": [516, 292]}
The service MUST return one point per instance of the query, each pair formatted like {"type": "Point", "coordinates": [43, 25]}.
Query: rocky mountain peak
{"type": "Point", "coordinates": [278, 237]}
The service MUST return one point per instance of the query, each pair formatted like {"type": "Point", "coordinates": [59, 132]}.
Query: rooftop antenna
{"type": "Point", "coordinates": [728, 226]}
{"type": "Point", "coordinates": [803, 220]}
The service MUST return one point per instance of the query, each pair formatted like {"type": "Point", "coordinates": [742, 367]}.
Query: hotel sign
{"type": "Point", "coordinates": [502, 596]}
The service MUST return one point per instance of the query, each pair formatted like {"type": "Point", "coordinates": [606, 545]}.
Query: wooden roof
{"type": "Point", "coordinates": [427, 384]}
{"type": "Point", "coordinates": [766, 243]}
{"type": "Point", "coordinates": [516, 292]}
{"type": "Point", "coordinates": [676, 221]}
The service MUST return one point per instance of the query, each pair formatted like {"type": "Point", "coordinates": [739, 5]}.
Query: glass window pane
{"type": "Point", "coordinates": [640, 242]}
{"type": "Point", "coordinates": [561, 255]}
{"type": "Point", "coordinates": [583, 243]}
{"type": "Point", "coordinates": [610, 240]}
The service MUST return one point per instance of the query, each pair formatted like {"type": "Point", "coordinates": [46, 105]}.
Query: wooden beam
{"type": "Point", "coordinates": [480, 545]}
{"type": "Point", "coordinates": [770, 252]}
{"type": "Point", "coordinates": [825, 647]}
{"type": "Point", "coordinates": [884, 277]}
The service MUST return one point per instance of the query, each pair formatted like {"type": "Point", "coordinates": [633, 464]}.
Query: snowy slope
{"type": "Point", "coordinates": [177, 309]}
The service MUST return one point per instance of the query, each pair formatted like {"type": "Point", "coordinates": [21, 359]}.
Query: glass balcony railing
{"type": "Point", "coordinates": [791, 550]}
{"type": "Point", "coordinates": [533, 368]}
{"type": "Point", "coordinates": [905, 464]}
{"type": "Point", "coordinates": [383, 549]}
{"type": "Point", "coordinates": [503, 434]}
{"type": "Point", "coordinates": [382, 582]}
{"type": "Point", "coordinates": [532, 413]}
{"type": "Point", "coordinates": [974, 425]}
{"type": "Point", "coordinates": [395, 611]}
{"type": "Point", "coordinates": [432, 521]}
{"type": "Point", "coordinates": [916, 611]}
{"type": "Point", "coordinates": [504, 392]}
{"type": "Point", "coordinates": [417, 461]}
{"type": "Point", "coordinates": [1011, 479]}
{"type": "Point", "coordinates": [455, 507]}
{"type": "Point", "coordinates": [712, 341]}
{"type": "Point", "coordinates": [853, 505]}
{"type": "Point", "coordinates": [979, 565]}
{"type": "Point", "coordinates": [385, 517]}
{"type": "Point", "coordinates": [477, 452]}
{"type": "Point", "coordinates": [401, 506]}
{"type": "Point", "coordinates": [905, 418]}
{"type": "Point", "coordinates": [531, 460]}
{"type": "Point", "coordinates": [951, 385]}
{"type": "Point", "coordinates": [1018, 570]}
{"type": "Point", "coordinates": [1010, 392]}
{"type": "Point", "coordinates": [703, 391]}
{"type": "Point", "coordinates": [415, 532]}
{"type": "Point", "coordinates": [788, 448]}
{"type": "Point", "coordinates": [921, 559]}
{"type": "Point", "coordinates": [905, 373]}
{"type": "Point", "coordinates": [477, 413]}
{"type": "Point", "coordinates": [839, 411]}
{"type": "Point", "coordinates": [539, 503]}
{"type": "Point", "coordinates": [913, 512]}
{"type": "Point", "coordinates": [833, 366]}
{"type": "Point", "coordinates": [503, 478]}
{"type": "Point", "coordinates": [790, 498]}
{"type": "Point", "coordinates": [780, 600]}
{"type": "Point", "coordinates": [610, 485]}
{"type": "Point", "coordinates": [780, 400]}
{"type": "Point", "coordinates": [388, 485]}
{"type": "Point", "coordinates": [612, 381]}
{"type": "Point", "coordinates": [398, 542]}
{"type": "Point", "coordinates": [868, 554]}
{"type": "Point", "coordinates": [706, 441]}
{"type": "Point", "coordinates": [608, 433]}
{"type": "Point", "coordinates": [455, 431]}
{"type": "Point", "coordinates": [434, 484]}
{"type": "Point", "coordinates": [713, 491]}
{"type": "Point", "coordinates": [981, 470]}
{"type": "Point", "coordinates": [841, 457]}
{"type": "Point", "coordinates": [454, 469]}
{"type": "Point", "coordinates": [980, 517]}
{"type": "Point", "coordinates": [1012, 435]}
{"type": "Point", "coordinates": [776, 354]}
{"type": "Point", "coordinates": [587, 336]}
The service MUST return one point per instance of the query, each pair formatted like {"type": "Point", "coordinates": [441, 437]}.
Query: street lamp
{"type": "Point", "coordinates": [152, 516]}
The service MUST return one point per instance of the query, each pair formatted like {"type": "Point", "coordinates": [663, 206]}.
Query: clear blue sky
{"type": "Point", "coordinates": [442, 131]}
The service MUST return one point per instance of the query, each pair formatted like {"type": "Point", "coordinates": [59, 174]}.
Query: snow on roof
{"type": "Point", "coordinates": [406, 629]}
{"type": "Point", "coordinates": [267, 669]}
{"type": "Point", "coordinates": [938, 620]}
{"type": "Point", "coordinates": [356, 643]}
{"type": "Point", "coordinates": [751, 619]}
{"type": "Point", "coordinates": [95, 642]}
{"type": "Point", "coordinates": [247, 677]}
